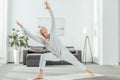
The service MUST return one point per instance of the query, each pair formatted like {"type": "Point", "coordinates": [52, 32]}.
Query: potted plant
{"type": "Point", "coordinates": [23, 42]}
{"type": "Point", "coordinates": [17, 41]}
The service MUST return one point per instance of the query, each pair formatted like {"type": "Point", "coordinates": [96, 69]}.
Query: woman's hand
{"type": "Point", "coordinates": [47, 6]}
{"type": "Point", "coordinates": [20, 24]}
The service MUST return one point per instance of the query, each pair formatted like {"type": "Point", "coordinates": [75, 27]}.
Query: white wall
{"type": "Point", "coordinates": [110, 32]}
{"type": "Point", "coordinates": [77, 14]}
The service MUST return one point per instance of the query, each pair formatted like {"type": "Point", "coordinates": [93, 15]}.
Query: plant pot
{"type": "Point", "coordinates": [16, 56]}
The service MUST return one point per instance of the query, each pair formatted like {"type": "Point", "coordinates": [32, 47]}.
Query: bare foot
{"type": "Point", "coordinates": [89, 72]}
{"type": "Point", "coordinates": [37, 78]}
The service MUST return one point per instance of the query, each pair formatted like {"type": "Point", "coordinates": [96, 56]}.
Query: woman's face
{"type": "Point", "coordinates": [44, 32]}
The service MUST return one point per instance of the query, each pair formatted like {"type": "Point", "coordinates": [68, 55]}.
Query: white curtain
{"type": "Point", "coordinates": [3, 31]}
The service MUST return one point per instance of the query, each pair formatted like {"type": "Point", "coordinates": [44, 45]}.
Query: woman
{"type": "Point", "coordinates": [53, 44]}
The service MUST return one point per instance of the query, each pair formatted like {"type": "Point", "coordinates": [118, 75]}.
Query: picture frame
{"type": "Point", "coordinates": [46, 22]}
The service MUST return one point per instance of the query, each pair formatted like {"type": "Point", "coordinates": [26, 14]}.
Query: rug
{"type": "Point", "coordinates": [99, 78]}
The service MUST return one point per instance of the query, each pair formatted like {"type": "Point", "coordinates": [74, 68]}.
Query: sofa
{"type": "Point", "coordinates": [31, 56]}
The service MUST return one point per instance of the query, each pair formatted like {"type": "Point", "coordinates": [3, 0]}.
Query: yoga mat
{"type": "Point", "coordinates": [77, 76]}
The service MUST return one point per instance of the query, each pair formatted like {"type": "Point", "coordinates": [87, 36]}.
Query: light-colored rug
{"type": "Point", "coordinates": [63, 72]}
{"type": "Point", "coordinates": [71, 76]}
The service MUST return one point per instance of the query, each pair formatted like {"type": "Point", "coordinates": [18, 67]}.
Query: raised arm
{"type": "Point", "coordinates": [36, 38]}
{"type": "Point", "coordinates": [47, 6]}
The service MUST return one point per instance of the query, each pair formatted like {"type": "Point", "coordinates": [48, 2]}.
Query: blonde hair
{"type": "Point", "coordinates": [41, 27]}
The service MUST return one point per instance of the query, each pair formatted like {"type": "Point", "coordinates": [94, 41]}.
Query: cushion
{"type": "Point", "coordinates": [39, 49]}
{"type": "Point", "coordinates": [33, 56]}
{"type": "Point", "coordinates": [42, 49]}
{"type": "Point", "coordinates": [71, 49]}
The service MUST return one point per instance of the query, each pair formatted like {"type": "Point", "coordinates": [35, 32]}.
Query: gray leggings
{"type": "Point", "coordinates": [66, 56]}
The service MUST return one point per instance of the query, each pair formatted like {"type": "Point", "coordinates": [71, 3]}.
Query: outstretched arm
{"type": "Point", "coordinates": [47, 6]}
{"type": "Point", "coordinates": [36, 38]}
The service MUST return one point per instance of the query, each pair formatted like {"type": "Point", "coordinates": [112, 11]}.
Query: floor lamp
{"type": "Point", "coordinates": [87, 40]}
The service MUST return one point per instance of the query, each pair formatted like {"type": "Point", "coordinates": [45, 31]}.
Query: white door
{"type": "Point", "coordinates": [3, 31]}
{"type": "Point", "coordinates": [1, 27]}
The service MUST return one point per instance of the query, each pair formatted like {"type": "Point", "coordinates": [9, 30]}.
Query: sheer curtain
{"type": "Point", "coordinates": [98, 30]}
{"type": "Point", "coordinates": [3, 31]}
